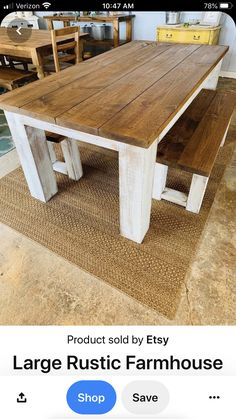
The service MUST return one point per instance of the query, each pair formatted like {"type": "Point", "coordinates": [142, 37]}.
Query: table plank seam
{"type": "Point", "coordinates": [100, 62]}
{"type": "Point", "coordinates": [148, 60]}
{"type": "Point", "coordinates": [172, 69]}
{"type": "Point", "coordinates": [118, 80]}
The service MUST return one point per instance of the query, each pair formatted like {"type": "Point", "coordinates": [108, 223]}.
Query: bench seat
{"type": "Point", "coordinates": [11, 78]}
{"type": "Point", "coordinates": [192, 144]}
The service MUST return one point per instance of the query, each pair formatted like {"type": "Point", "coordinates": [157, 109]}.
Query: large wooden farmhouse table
{"type": "Point", "coordinates": [125, 100]}
{"type": "Point", "coordinates": [36, 45]}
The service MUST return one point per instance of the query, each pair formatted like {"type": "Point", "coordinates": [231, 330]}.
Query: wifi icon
{"type": "Point", "coordinates": [46, 5]}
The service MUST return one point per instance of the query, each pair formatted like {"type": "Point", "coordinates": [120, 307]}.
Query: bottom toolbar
{"type": "Point", "coordinates": [117, 397]}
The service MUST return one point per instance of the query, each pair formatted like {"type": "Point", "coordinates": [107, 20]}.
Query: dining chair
{"type": "Point", "coordinates": [65, 47]}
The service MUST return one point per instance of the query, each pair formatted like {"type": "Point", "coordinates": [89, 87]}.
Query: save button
{"type": "Point", "coordinates": [91, 397]}
{"type": "Point", "coordinates": [145, 397]}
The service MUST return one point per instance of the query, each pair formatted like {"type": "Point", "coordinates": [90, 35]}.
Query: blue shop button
{"type": "Point", "coordinates": [91, 397]}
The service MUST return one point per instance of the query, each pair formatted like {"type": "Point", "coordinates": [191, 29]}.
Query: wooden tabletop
{"type": "Point", "coordinates": [98, 18]}
{"type": "Point", "coordinates": [129, 94]}
{"type": "Point", "coordinates": [38, 38]}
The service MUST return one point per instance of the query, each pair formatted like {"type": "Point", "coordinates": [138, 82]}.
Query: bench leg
{"type": "Point", "coordinates": [71, 155]}
{"type": "Point", "coordinates": [212, 80]}
{"type": "Point", "coordinates": [226, 132]}
{"type": "Point", "coordinates": [58, 166]}
{"type": "Point", "coordinates": [160, 175]}
{"type": "Point", "coordinates": [72, 166]}
{"type": "Point", "coordinates": [196, 193]}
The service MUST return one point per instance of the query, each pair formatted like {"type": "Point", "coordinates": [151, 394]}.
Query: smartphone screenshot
{"type": "Point", "coordinates": [117, 210]}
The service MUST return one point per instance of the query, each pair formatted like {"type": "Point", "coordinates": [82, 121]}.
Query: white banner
{"type": "Point", "coordinates": [166, 372]}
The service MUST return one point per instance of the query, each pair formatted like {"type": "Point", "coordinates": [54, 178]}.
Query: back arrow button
{"type": "Point", "coordinates": [19, 34]}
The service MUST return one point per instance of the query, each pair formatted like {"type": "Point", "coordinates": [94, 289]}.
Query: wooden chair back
{"type": "Point", "coordinates": [65, 40]}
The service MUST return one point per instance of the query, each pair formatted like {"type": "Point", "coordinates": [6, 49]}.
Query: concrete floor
{"type": "Point", "coordinates": [39, 287]}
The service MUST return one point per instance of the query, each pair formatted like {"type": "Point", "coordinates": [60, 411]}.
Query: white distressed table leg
{"type": "Point", "coordinates": [136, 172]}
{"type": "Point", "coordinates": [196, 193]}
{"type": "Point", "coordinates": [159, 183]}
{"type": "Point", "coordinates": [71, 155]}
{"type": "Point", "coordinates": [212, 81]}
{"type": "Point", "coordinates": [34, 156]}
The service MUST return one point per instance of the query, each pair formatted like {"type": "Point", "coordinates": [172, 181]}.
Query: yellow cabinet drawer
{"type": "Point", "coordinates": [188, 36]}
{"type": "Point", "coordinates": [165, 35]}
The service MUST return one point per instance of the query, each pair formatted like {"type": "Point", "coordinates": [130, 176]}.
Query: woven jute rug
{"type": "Point", "coordinates": [81, 223]}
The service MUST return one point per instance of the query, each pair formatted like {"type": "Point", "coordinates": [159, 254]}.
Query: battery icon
{"type": "Point", "coordinates": [225, 5]}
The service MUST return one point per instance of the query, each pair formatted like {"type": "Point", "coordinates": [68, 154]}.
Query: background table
{"type": "Point", "coordinates": [125, 100]}
{"type": "Point", "coordinates": [35, 48]}
{"type": "Point", "coordinates": [115, 20]}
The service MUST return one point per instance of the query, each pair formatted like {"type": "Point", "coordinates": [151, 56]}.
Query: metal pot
{"type": "Point", "coordinates": [172, 18]}
{"type": "Point", "coordinates": [98, 32]}
{"type": "Point", "coordinates": [86, 29]}
{"type": "Point", "coordinates": [108, 31]}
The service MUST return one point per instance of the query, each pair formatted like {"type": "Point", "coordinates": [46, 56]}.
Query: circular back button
{"type": "Point", "coordinates": [17, 33]}
{"type": "Point", "coordinates": [91, 397]}
{"type": "Point", "coordinates": [145, 397]}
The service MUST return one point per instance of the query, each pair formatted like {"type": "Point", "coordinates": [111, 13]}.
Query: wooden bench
{"type": "Point", "coordinates": [192, 145]}
{"type": "Point", "coordinates": [10, 78]}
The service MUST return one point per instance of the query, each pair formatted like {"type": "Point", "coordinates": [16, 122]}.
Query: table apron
{"type": "Point", "coordinates": [16, 52]}
{"type": "Point", "coordinates": [68, 132]}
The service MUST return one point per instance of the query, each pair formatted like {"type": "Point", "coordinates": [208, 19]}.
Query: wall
{"type": "Point", "coordinates": [228, 37]}
{"type": "Point", "coordinates": [145, 24]}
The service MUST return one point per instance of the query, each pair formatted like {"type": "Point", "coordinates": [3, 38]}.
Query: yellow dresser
{"type": "Point", "coordinates": [189, 35]}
